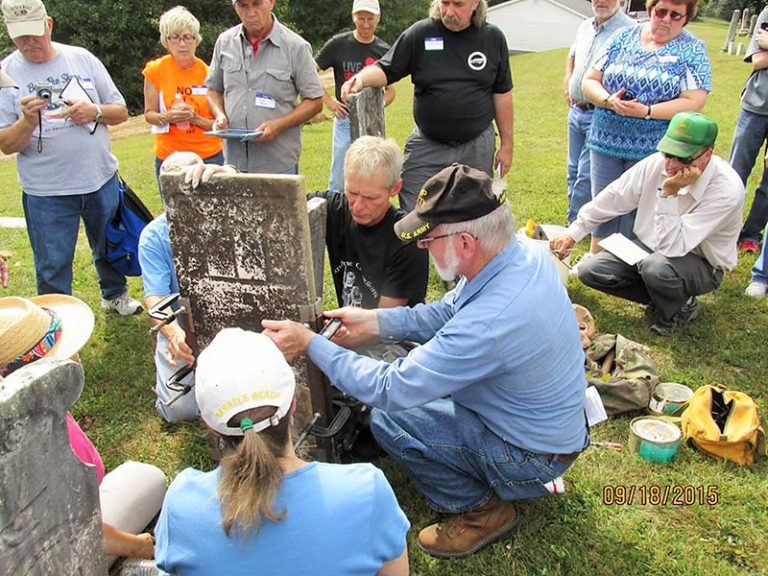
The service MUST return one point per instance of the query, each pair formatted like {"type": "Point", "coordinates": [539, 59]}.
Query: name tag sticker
{"type": "Point", "coordinates": [199, 90]}
{"type": "Point", "coordinates": [433, 43]}
{"type": "Point", "coordinates": [265, 101]}
{"type": "Point", "coordinates": [671, 58]}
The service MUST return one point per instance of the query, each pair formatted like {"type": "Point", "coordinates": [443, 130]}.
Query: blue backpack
{"type": "Point", "coordinates": [123, 232]}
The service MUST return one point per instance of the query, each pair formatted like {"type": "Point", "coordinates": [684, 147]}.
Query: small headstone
{"type": "Point", "coordinates": [49, 500]}
{"type": "Point", "coordinates": [366, 113]}
{"type": "Point", "coordinates": [732, 28]}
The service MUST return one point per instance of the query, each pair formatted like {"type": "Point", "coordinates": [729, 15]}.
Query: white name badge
{"type": "Point", "coordinates": [265, 101]}
{"type": "Point", "coordinates": [87, 83]}
{"type": "Point", "coordinates": [433, 43]}
{"type": "Point", "coordinates": [199, 90]}
{"type": "Point", "coordinates": [669, 59]}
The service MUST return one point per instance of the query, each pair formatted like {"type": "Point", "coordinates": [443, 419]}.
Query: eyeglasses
{"type": "Point", "coordinates": [425, 242]}
{"type": "Point", "coordinates": [685, 161]}
{"type": "Point", "coordinates": [661, 13]}
{"type": "Point", "coordinates": [176, 38]}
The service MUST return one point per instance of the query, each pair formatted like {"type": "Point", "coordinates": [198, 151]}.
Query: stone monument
{"type": "Point", "coordinates": [366, 113]}
{"type": "Point", "coordinates": [249, 247]}
{"type": "Point", "coordinates": [49, 500]}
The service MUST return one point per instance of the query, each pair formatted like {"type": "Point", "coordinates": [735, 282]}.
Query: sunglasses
{"type": "Point", "coordinates": [661, 13]}
{"type": "Point", "coordinates": [685, 161]}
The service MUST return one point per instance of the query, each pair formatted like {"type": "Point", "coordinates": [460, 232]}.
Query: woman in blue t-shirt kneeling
{"type": "Point", "coordinates": [264, 509]}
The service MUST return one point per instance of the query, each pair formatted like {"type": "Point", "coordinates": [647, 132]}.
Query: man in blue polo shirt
{"type": "Point", "coordinates": [491, 406]}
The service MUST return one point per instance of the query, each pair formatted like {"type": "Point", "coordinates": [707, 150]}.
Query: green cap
{"type": "Point", "coordinates": [688, 132]}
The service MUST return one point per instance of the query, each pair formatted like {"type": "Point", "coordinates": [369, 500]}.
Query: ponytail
{"type": "Point", "coordinates": [251, 475]}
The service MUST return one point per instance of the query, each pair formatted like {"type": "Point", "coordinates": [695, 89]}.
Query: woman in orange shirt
{"type": "Point", "coordinates": [175, 94]}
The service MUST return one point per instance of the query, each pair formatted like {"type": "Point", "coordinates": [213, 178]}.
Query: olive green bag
{"type": "Point", "coordinates": [622, 371]}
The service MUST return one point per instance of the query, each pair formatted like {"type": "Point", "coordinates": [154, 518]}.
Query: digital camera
{"type": "Point", "coordinates": [44, 90]}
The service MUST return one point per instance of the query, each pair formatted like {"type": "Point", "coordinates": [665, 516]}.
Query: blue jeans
{"type": "Point", "coordinates": [760, 268]}
{"type": "Point", "coordinates": [52, 225]}
{"type": "Point", "coordinates": [342, 138]}
{"type": "Point", "coordinates": [579, 183]}
{"type": "Point", "coordinates": [604, 170]}
{"type": "Point", "coordinates": [185, 408]}
{"type": "Point", "coordinates": [748, 137]}
{"type": "Point", "coordinates": [456, 461]}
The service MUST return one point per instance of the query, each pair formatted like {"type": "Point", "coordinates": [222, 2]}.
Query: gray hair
{"type": "Point", "coordinates": [178, 160]}
{"type": "Point", "coordinates": [493, 231]}
{"type": "Point", "coordinates": [369, 154]}
{"type": "Point", "coordinates": [176, 21]}
{"type": "Point", "coordinates": [478, 17]}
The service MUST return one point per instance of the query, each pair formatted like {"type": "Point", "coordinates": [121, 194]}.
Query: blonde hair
{"type": "Point", "coordinates": [478, 16]}
{"type": "Point", "coordinates": [176, 21]}
{"type": "Point", "coordinates": [369, 154]}
{"type": "Point", "coordinates": [251, 474]}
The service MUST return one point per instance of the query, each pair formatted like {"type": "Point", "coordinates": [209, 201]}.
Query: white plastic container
{"type": "Point", "coordinates": [552, 231]}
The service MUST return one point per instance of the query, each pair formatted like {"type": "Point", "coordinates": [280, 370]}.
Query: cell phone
{"type": "Point", "coordinates": [764, 26]}
{"type": "Point", "coordinates": [330, 329]}
{"type": "Point", "coordinates": [628, 95]}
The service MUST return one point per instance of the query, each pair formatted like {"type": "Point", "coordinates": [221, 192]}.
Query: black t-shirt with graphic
{"type": "Point", "coordinates": [347, 56]}
{"type": "Point", "coordinates": [368, 262]}
{"type": "Point", "coordinates": [454, 74]}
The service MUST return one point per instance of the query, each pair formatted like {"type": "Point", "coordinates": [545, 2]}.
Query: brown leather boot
{"type": "Point", "coordinates": [460, 535]}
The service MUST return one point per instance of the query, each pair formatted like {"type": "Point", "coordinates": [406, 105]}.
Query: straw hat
{"type": "Point", "coordinates": [24, 323]}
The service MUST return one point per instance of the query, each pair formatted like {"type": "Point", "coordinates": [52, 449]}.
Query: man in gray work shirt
{"type": "Point", "coordinates": [590, 38]}
{"type": "Point", "coordinates": [258, 71]}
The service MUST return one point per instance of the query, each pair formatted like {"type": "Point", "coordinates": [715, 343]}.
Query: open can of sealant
{"type": "Point", "coordinates": [669, 397]}
{"type": "Point", "coordinates": [654, 439]}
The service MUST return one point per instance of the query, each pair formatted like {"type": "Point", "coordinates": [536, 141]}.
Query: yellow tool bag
{"type": "Point", "coordinates": [724, 424]}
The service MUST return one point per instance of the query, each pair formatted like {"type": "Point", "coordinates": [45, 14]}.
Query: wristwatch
{"type": "Point", "coordinates": [648, 113]}
{"type": "Point", "coordinates": [99, 114]}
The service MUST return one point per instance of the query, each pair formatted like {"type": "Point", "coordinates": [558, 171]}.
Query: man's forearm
{"type": "Point", "coordinates": [372, 75]}
{"type": "Point", "coordinates": [504, 111]}
{"type": "Point", "coordinates": [216, 103]}
{"type": "Point", "coordinates": [114, 114]}
{"type": "Point", "coordinates": [15, 137]}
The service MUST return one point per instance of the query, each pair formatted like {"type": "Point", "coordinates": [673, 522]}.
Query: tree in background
{"type": "Point", "coordinates": [124, 36]}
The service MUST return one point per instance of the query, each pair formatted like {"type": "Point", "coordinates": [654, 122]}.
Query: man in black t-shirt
{"type": "Point", "coordinates": [459, 66]}
{"type": "Point", "coordinates": [371, 267]}
{"type": "Point", "coordinates": [348, 53]}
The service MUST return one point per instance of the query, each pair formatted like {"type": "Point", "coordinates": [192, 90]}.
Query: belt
{"type": "Point", "coordinates": [584, 107]}
{"type": "Point", "coordinates": [564, 458]}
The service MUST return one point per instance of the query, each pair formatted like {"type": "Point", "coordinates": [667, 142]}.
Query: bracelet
{"type": "Point", "coordinates": [162, 120]}
{"type": "Point", "coordinates": [605, 102]}
{"type": "Point", "coordinates": [648, 115]}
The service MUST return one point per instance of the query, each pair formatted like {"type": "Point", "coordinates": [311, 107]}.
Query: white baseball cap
{"type": "Point", "coordinates": [238, 371]}
{"type": "Point", "coordinates": [371, 6]}
{"type": "Point", "coordinates": [24, 17]}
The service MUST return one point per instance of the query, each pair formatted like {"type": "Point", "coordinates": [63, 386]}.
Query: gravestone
{"type": "Point", "coordinates": [732, 27]}
{"type": "Point", "coordinates": [366, 113]}
{"type": "Point", "coordinates": [243, 251]}
{"type": "Point", "coordinates": [49, 500]}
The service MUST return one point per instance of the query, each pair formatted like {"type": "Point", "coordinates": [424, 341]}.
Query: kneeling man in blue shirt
{"type": "Point", "coordinates": [490, 407]}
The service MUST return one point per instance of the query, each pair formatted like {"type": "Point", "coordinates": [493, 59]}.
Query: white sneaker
{"type": "Point", "coordinates": [123, 305]}
{"type": "Point", "coordinates": [756, 289]}
{"type": "Point", "coordinates": [574, 271]}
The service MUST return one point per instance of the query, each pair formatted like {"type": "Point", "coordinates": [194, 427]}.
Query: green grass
{"type": "Point", "coordinates": [573, 534]}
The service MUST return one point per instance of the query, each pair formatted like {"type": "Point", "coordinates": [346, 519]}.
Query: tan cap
{"type": "Point", "coordinates": [24, 17]}
{"type": "Point", "coordinates": [371, 6]}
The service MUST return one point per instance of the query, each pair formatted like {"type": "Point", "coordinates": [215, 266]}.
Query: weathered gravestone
{"type": "Point", "coordinates": [49, 500]}
{"type": "Point", "coordinates": [732, 29]}
{"type": "Point", "coordinates": [243, 252]}
{"type": "Point", "coordinates": [366, 113]}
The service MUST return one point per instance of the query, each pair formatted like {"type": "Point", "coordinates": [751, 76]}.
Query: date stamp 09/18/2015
{"type": "Point", "coordinates": [661, 495]}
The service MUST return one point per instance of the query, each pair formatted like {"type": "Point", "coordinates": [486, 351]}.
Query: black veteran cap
{"type": "Point", "coordinates": [455, 194]}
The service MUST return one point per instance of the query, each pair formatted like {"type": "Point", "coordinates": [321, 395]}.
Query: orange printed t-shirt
{"type": "Point", "coordinates": [169, 79]}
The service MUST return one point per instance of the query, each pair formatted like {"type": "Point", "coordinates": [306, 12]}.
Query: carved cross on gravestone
{"type": "Point", "coordinates": [49, 500]}
{"type": "Point", "coordinates": [366, 113]}
{"type": "Point", "coordinates": [243, 252]}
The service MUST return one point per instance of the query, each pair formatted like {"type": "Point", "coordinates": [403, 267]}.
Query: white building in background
{"type": "Point", "coordinates": [538, 25]}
